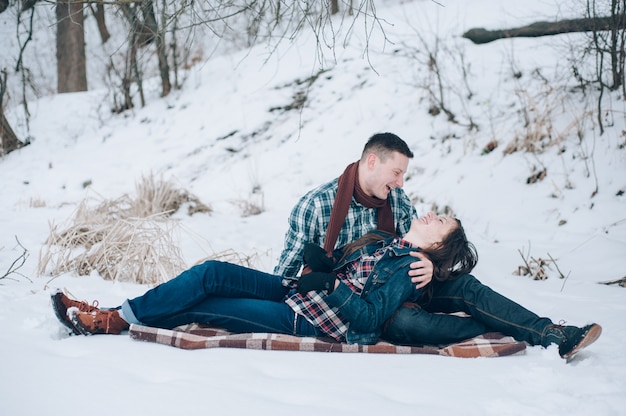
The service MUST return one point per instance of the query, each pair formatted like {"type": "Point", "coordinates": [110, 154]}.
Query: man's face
{"type": "Point", "coordinates": [384, 176]}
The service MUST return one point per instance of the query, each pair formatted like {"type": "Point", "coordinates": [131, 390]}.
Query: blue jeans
{"type": "Point", "coordinates": [222, 294]}
{"type": "Point", "coordinates": [489, 311]}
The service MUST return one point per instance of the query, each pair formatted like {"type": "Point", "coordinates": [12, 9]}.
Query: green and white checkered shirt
{"type": "Point", "coordinates": [309, 219]}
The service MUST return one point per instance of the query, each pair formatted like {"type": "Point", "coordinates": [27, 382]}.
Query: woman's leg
{"type": "Point", "coordinates": [412, 325]}
{"type": "Point", "coordinates": [496, 312]}
{"type": "Point", "coordinates": [208, 280]}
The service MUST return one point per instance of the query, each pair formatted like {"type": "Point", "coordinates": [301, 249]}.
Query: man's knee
{"type": "Point", "coordinates": [403, 320]}
{"type": "Point", "coordinates": [458, 285]}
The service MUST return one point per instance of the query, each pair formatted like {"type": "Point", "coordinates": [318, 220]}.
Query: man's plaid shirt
{"type": "Point", "coordinates": [309, 220]}
{"type": "Point", "coordinates": [313, 306]}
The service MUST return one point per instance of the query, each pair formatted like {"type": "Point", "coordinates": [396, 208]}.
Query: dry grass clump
{"type": "Point", "coordinates": [37, 203]}
{"type": "Point", "coordinates": [140, 250]}
{"type": "Point", "coordinates": [249, 208]}
{"type": "Point", "coordinates": [156, 197]}
{"type": "Point", "coordinates": [537, 268]}
{"type": "Point", "coordinates": [232, 256]}
{"type": "Point", "coordinates": [536, 113]}
{"type": "Point", "coordinates": [127, 239]}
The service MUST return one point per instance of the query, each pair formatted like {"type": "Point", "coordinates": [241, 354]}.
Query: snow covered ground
{"type": "Point", "coordinates": [576, 215]}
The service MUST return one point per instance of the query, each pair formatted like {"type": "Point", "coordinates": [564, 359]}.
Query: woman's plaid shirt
{"type": "Point", "coordinates": [313, 306]}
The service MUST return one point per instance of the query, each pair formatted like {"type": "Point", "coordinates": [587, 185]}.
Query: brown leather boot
{"type": "Point", "coordinates": [61, 303]}
{"type": "Point", "coordinates": [98, 322]}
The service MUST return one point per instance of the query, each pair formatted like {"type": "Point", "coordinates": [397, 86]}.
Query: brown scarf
{"type": "Point", "coordinates": [348, 186]}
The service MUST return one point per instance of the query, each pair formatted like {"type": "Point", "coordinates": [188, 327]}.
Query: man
{"type": "Point", "coordinates": [367, 196]}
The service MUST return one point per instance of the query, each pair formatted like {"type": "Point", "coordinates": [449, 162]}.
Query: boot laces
{"type": "Point", "coordinates": [82, 305]}
{"type": "Point", "coordinates": [102, 319]}
{"type": "Point", "coordinates": [94, 305]}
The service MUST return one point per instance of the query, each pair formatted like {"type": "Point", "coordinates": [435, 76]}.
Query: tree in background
{"type": "Point", "coordinates": [8, 140]}
{"type": "Point", "coordinates": [70, 41]}
{"type": "Point", "coordinates": [608, 45]}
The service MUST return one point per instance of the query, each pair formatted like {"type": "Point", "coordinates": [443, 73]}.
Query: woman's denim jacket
{"type": "Point", "coordinates": [387, 287]}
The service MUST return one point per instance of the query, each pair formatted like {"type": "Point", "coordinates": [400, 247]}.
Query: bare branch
{"type": "Point", "coordinates": [620, 282]}
{"type": "Point", "coordinates": [17, 263]}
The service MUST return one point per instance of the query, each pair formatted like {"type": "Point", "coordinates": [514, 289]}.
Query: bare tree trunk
{"type": "Point", "coordinates": [7, 136]}
{"type": "Point", "coordinates": [28, 5]}
{"type": "Point", "coordinates": [71, 61]}
{"type": "Point", "coordinates": [138, 74]}
{"type": "Point", "coordinates": [98, 13]}
{"type": "Point", "coordinates": [480, 35]}
{"type": "Point", "coordinates": [617, 35]}
{"type": "Point", "coordinates": [147, 9]}
{"type": "Point", "coordinates": [131, 65]}
{"type": "Point", "coordinates": [174, 49]}
{"type": "Point", "coordinates": [8, 139]}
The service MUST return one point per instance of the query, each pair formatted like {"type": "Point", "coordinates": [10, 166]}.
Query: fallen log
{"type": "Point", "coordinates": [537, 29]}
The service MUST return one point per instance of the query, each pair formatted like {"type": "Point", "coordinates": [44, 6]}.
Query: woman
{"type": "Point", "coordinates": [432, 318]}
{"type": "Point", "coordinates": [366, 303]}
{"type": "Point", "coordinates": [242, 300]}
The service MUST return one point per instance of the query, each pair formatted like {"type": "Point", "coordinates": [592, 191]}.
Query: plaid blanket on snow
{"type": "Point", "coordinates": [194, 336]}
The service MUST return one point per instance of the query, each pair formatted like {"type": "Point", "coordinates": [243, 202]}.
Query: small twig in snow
{"type": "Point", "coordinates": [17, 263]}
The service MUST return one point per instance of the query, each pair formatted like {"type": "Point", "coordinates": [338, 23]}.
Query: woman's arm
{"type": "Point", "coordinates": [368, 313]}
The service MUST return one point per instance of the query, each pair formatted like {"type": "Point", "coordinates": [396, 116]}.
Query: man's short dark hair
{"type": "Point", "coordinates": [383, 144]}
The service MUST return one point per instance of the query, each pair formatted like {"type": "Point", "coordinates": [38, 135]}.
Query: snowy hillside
{"type": "Point", "coordinates": [230, 137]}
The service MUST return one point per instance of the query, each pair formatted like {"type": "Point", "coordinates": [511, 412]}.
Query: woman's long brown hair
{"type": "Point", "coordinates": [453, 257]}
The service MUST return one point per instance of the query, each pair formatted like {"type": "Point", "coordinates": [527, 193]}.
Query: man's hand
{"type": "Point", "coordinates": [421, 271]}
{"type": "Point", "coordinates": [317, 259]}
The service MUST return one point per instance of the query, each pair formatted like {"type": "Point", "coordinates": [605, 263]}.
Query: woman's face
{"type": "Point", "coordinates": [432, 229]}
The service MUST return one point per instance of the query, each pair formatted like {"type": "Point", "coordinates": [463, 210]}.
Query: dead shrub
{"type": "Point", "coordinates": [140, 250]}
{"type": "Point", "coordinates": [127, 239]}
{"type": "Point", "coordinates": [159, 196]}
{"type": "Point", "coordinates": [537, 268]}
{"type": "Point", "coordinates": [249, 208]}
{"type": "Point", "coordinates": [536, 113]}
